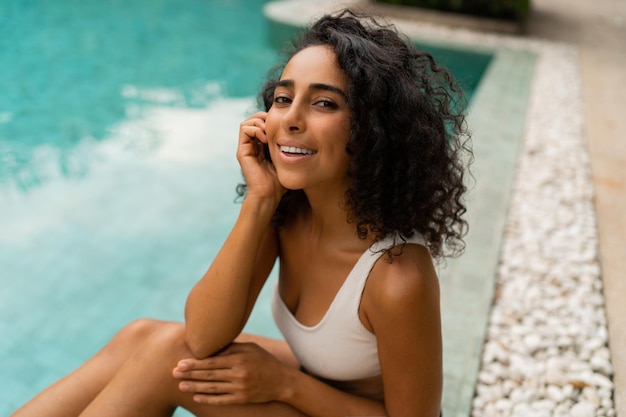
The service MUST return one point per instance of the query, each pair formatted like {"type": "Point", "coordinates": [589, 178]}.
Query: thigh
{"type": "Point", "coordinates": [274, 409]}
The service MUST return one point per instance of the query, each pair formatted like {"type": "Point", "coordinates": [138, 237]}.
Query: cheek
{"type": "Point", "coordinates": [271, 125]}
{"type": "Point", "coordinates": [344, 132]}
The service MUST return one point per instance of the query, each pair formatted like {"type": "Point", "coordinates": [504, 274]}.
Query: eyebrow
{"type": "Point", "coordinates": [313, 86]}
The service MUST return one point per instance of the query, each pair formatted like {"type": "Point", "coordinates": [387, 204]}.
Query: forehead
{"type": "Point", "coordinates": [314, 64]}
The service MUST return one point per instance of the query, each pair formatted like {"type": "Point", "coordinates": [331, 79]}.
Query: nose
{"type": "Point", "coordinates": [293, 119]}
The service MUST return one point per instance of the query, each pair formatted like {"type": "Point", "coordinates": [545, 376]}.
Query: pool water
{"type": "Point", "coordinates": [118, 125]}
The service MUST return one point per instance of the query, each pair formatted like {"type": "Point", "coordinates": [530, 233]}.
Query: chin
{"type": "Point", "coordinates": [291, 183]}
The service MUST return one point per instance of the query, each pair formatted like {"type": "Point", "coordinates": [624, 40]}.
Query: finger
{"type": "Point", "coordinates": [186, 365]}
{"type": "Point", "coordinates": [205, 375]}
{"type": "Point", "coordinates": [213, 388]}
{"type": "Point", "coordinates": [223, 399]}
{"type": "Point", "coordinates": [253, 132]}
{"type": "Point", "coordinates": [189, 364]}
{"type": "Point", "coordinates": [258, 119]}
{"type": "Point", "coordinates": [203, 387]}
{"type": "Point", "coordinates": [211, 363]}
{"type": "Point", "coordinates": [255, 122]}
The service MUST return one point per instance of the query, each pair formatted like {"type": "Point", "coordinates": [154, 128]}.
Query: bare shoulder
{"type": "Point", "coordinates": [405, 281]}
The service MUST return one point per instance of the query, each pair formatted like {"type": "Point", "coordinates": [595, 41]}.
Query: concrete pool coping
{"type": "Point", "coordinates": [513, 67]}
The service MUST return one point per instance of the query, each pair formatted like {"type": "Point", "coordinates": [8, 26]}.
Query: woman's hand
{"type": "Point", "coordinates": [258, 171]}
{"type": "Point", "coordinates": [242, 373]}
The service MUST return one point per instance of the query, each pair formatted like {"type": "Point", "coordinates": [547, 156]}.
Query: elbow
{"type": "Point", "coordinates": [198, 347]}
{"type": "Point", "coordinates": [205, 337]}
{"type": "Point", "coordinates": [202, 346]}
{"type": "Point", "coordinates": [197, 350]}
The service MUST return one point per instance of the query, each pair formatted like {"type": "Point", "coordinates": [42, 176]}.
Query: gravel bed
{"type": "Point", "coordinates": [546, 351]}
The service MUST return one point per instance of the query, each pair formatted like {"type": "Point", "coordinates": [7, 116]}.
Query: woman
{"type": "Point", "coordinates": [354, 180]}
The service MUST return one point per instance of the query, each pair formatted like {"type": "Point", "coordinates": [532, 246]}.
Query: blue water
{"type": "Point", "coordinates": [118, 124]}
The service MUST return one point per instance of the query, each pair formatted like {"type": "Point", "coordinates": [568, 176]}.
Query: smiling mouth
{"type": "Point", "coordinates": [294, 150]}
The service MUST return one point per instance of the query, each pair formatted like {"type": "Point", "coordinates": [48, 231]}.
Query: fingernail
{"type": "Point", "coordinates": [184, 386]}
{"type": "Point", "coordinates": [182, 366]}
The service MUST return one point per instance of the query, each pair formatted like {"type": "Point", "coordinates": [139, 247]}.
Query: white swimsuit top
{"type": "Point", "coordinates": [339, 347]}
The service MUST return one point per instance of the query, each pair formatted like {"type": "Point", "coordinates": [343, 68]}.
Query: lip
{"type": "Point", "coordinates": [293, 158]}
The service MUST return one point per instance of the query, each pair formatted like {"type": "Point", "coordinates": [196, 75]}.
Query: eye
{"type": "Point", "coordinates": [282, 100]}
{"type": "Point", "coordinates": [326, 104]}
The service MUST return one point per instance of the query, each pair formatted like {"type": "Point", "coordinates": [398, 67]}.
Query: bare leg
{"type": "Point", "coordinates": [69, 396]}
{"type": "Point", "coordinates": [144, 386]}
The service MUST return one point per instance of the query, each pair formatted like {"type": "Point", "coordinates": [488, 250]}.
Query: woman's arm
{"type": "Point", "coordinates": [220, 303]}
{"type": "Point", "coordinates": [401, 302]}
{"type": "Point", "coordinates": [245, 373]}
{"type": "Point", "coordinates": [218, 306]}
{"type": "Point", "coordinates": [318, 399]}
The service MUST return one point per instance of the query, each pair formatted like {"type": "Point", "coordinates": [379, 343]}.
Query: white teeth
{"type": "Point", "coordinates": [293, 149]}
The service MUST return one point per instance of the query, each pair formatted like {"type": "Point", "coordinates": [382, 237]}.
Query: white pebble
{"type": "Point", "coordinates": [602, 381]}
{"type": "Point", "coordinates": [522, 410]}
{"type": "Point", "coordinates": [504, 406]}
{"type": "Point", "coordinates": [555, 374]}
{"type": "Point", "coordinates": [487, 378]}
{"type": "Point", "coordinates": [591, 395]}
{"type": "Point", "coordinates": [544, 405]}
{"type": "Point", "coordinates": [555, 393]}
{"type": "Point", "coordinates": [601, 364]}
{"type": "Point", "coordinates": [583, 409]}
{"type": "Point", "coordinates": [532, 342]}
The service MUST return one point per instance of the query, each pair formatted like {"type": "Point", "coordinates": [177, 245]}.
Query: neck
{"type": "Point", "coordinates": [328, 217]}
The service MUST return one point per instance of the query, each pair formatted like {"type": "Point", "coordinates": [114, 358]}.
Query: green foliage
{"type": "Point", "coordinates": [501, 9]}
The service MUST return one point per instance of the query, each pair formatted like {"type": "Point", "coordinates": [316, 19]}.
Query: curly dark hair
{"type": "Point", "coordinates": [409, 144]}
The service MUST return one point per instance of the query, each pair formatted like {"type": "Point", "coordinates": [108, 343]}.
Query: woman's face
{"type": "Point", "coordinates": [308, 125]}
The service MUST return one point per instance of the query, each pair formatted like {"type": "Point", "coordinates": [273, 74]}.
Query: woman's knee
{"type": "Point", "coordinates": [168, 340]}
{"type": "Point", "coordinates": [141, 328]}
{"type": "Point", "coordinates": [132, 336]}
